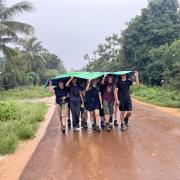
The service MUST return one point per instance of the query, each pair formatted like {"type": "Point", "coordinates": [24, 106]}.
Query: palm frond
{"type": "Point", "coordinates": [6, 31]}
{"type": "Point", "coordinates": [10, 12]}
{"type": "Point", "coordinates": [7, 40]}
{"type": "Point", "coordinates": [6, 50]}
{"type": "Point", "coordinates": [19, 27]}
{"type": "Point", "coordinates": [40, 61]}
{"type": "Point", "coordinates": [38, 47]}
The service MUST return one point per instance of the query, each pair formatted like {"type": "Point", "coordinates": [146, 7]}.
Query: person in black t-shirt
{"type": "Point", "coordinates": [75, 100]}
{"type": "Point", "coordinates": [94, 103]}
{"type": "Point", "coordinates": [123, 97]}
{"type": "Point", "coordinates": [62, 95]}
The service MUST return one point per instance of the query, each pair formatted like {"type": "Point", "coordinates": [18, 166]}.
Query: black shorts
{"type": "Point", "coordinates": [125, 106]}
{"type": "Point", "coordinates": [93, 107]}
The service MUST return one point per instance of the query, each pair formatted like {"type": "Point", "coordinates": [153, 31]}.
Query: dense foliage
{"type": "Point", "coordinates": [24, 92]}
{"type": "Point", "coordinates": [160, 96]}
{"type": "Point", "coordinates": [150, 44]}
{"type": "Point", "coordinates": [29, 63]}
{"type": "Point", "coordinates": [19, 125]}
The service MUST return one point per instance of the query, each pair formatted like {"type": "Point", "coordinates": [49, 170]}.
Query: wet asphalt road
{"type": "Point", "coordinates": [148, 150]}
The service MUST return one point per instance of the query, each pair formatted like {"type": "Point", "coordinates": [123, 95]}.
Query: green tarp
{"type": "Point", "coordinates": [85, 75]}
{"type": "Point", "coordinates": [89, 75]}
{"type": "Point", "coordinates": [82, 75]}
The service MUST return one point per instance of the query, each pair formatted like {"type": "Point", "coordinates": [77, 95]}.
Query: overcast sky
{"type": "Point", "coordinates": [71, 28]}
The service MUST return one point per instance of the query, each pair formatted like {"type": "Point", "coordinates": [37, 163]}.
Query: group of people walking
{"type": "Point", "coordinates": [100, 99]}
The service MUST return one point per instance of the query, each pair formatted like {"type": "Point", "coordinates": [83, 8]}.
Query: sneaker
{"type": "Point", "coordinates": [63, 129]}
{"type": "Point", "coordinates": [75, 129]}
{"type": "Point", "coordinates": [115, 123]}
{"type": "Point", "coordinates": [108, 127]}
{"type": "Point", "coordinates": [126, 120]}
{"type": "Point", "coordinates": [122, 127]}
{"type": "Point", "coordinates": [78, 126]}
{"type": "Point", "coordinates": [94, 126]}
{"type": "Point", "coordinates": [102, 124]}
{"type": "Point", "coordinates": [98, 129]}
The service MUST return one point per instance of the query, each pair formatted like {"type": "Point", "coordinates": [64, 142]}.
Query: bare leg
{"type": "Point", "coordinates": [122, 116]}
{"type": "Point", "coordinates": [63, 120]}
{"type": "Point", "coordinates": [126, 118]}
{"type": "Point", "coordinates": [97, 117]}
{"type": "Point", "coordinates": [128, 114]}
{"type": "Point", "coordinates": [61, 124]}
{"type": "Point", "coordinates": [92, 117]}
{"type": "Point", "coordinates": [107, 117]}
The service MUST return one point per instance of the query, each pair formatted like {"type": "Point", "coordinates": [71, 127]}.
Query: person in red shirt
{"type": "Point", "coordinates": [107, 90]}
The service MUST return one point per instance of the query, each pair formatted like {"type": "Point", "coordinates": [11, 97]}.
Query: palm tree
{"type": "Point", "coordinates": [11, 29]}
{"type": "Point", "coordinates": [33, 54]}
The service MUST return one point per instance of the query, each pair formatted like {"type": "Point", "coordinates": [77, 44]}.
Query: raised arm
{"type": "Point", "coordinates": [136, 82]}
{"type": "Point", "coordinates": [100, 99]}
{"type": "Point", "coordinates": [88, 85]}
{"type": "Point", "coordinates": [103, 80]}
{"type": "Point", "coordinates": [116, 96]}
{"type": "Point", "coordinates": [68, 83]}
{"type": "Point", "coordinates": [51, 89]}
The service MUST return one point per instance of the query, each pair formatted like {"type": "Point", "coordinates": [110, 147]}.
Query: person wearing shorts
{"type": "Point", "coordinates": [107, 89]}
{"type": "Point", "coordinates": [123, 98]}
{"type": "Point", "coordinates": [62, 95]}
{"type": "Point", "coordinates": [94, 103]}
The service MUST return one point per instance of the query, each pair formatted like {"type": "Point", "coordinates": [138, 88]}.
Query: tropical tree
{"type": "Point", "coordinates": [53, 62]}
{"type": "Point", "coordinates": [107, 56]}
{"type": "Point", "coordinates": [165, 66]}
{"type": "Point", "coordinates": [158, 24]}
{"type": "Point", "coordinates": [10, 29]}
{"type": "Point", "coordinates": [32, 53]}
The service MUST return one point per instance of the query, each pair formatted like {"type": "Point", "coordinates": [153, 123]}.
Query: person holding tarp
{"type": "Point", "coordinates": [94, 103]}
{"type": "Point", "coordinates": [123, 98]}
{"type": "Point", "coordinates": [62, 95]}
{"type": "Point", "coordinates": [75, 100]}
{"type": "Point", "coordinates": [107, 91]}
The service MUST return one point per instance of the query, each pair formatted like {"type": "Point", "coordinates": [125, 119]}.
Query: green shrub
{"type": "Point", "coordinates": [21, 128]}
{"type": "Point", "coordinates": [8, 144]}
{"type": "Point", "coordinates": [8, 137]}
{"type": "Point", "coordinates": [25, 93]}
{"type": "Point", "coordinates": [26, 131]}
{"type": "Point", "coordinates": [8, 111]}
{"type": "Point", "coordinates": [161, 96]}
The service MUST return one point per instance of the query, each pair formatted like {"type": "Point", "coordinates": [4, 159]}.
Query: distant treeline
{"type": "Point", "coordinates": [150, 44]}
{"type": "Point", "coordinates": [28, 63]}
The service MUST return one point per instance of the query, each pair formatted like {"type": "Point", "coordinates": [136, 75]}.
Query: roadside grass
{"type": "Point", "coordinates": [21, 124]}
{"type": "Point", "coordinates": [160, 96]}
{"type": "Point", "coordinates": [26, 92]}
